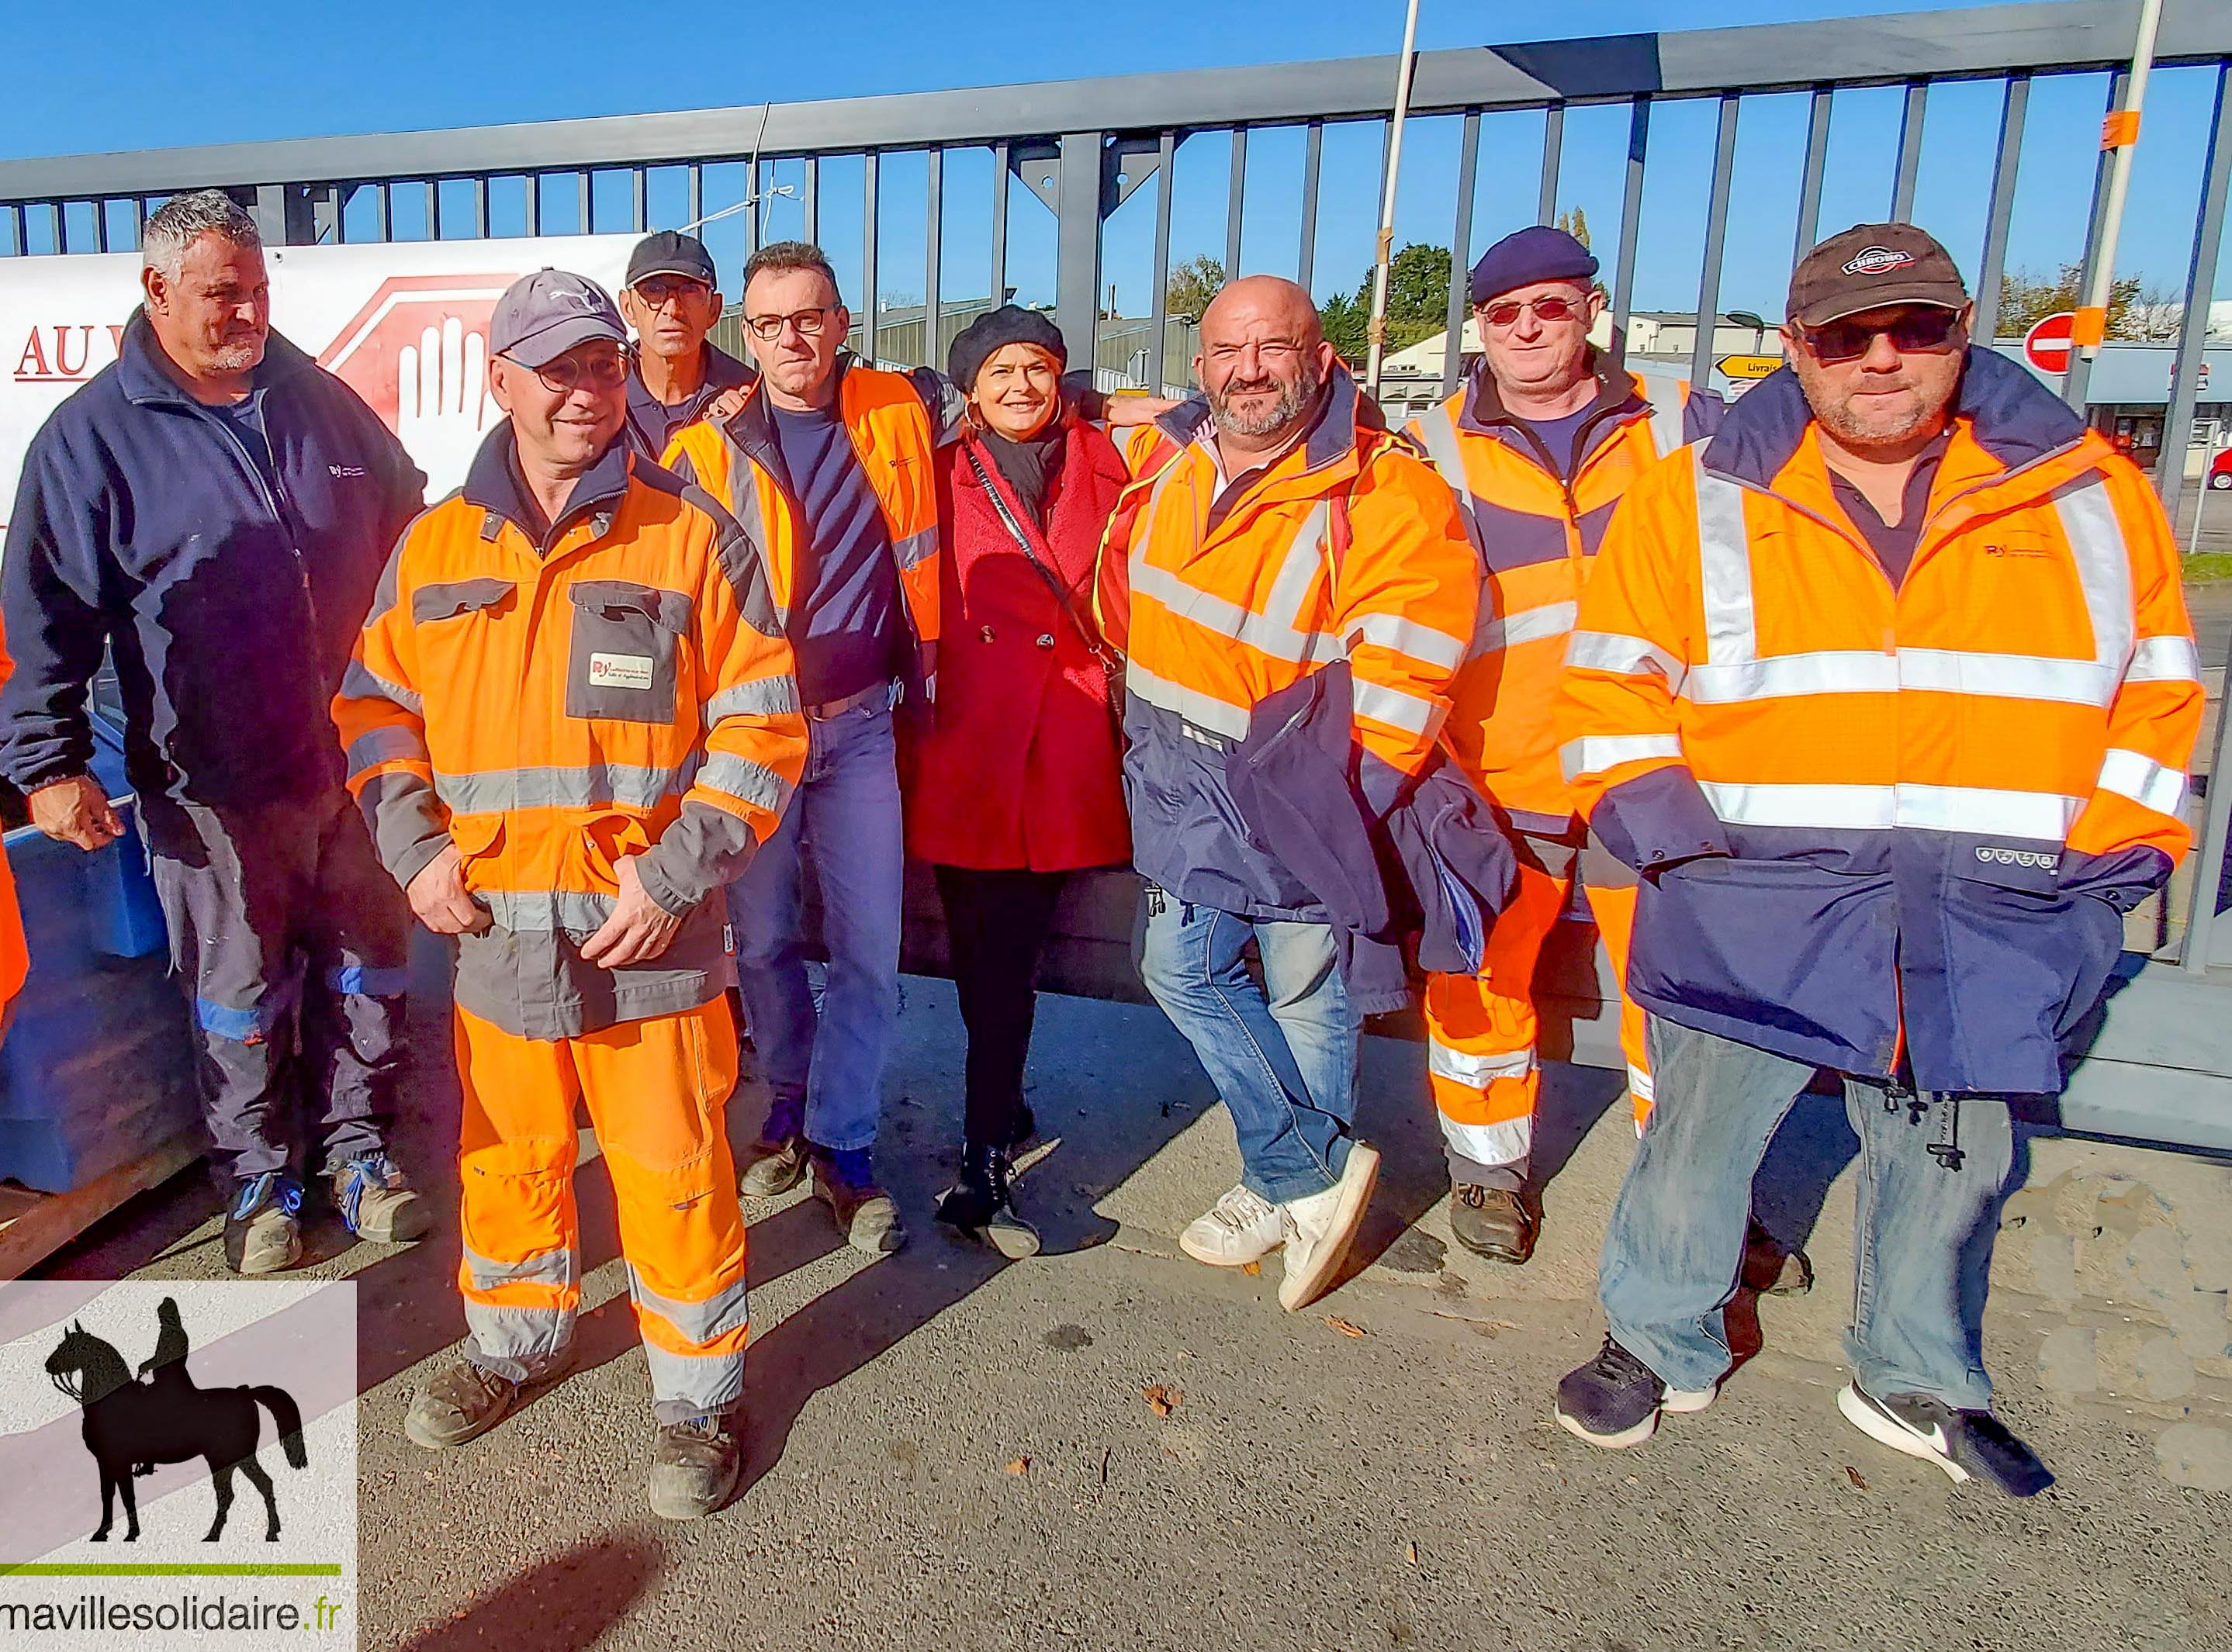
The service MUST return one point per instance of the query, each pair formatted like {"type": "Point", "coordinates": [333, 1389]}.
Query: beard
{"type": "Point", "coordinates": [1293, 400]}
{"type": "Point", "coordinates": [236, 357]}
{"type": "Point", "coordinates": [1837, 416]}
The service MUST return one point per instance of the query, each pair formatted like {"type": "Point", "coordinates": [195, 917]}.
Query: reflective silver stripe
{"type": "Point", "coordinates": [687, 1382]}
{"type": "Point", "coordinates": [700, 1322]}
{"type": "Point", "coordinates": [1639, 1084]}
{"type": "Point", "coordinates": [1505, 1144]}
{"type": "Point", "coordinates": [1724, 567]}
{"type": "Point", "coordinates": [491, 791]}
{"type": "Point", "coordinates": [2104, 568]}
{"type": "Point", "coordinates": [2008, 676]}
{"type": "Point", "coordinates": [1535, 625]}
{"type": "Point", "coordinates": [1473, 1070]}
{"type": "Point", "coordinates": [911, 550]}
{"type": "Point", "coordinates": [1666, 397]}
{"type": "Point", "coordinates": [558, 1268]}
{"type": "Point", "coordinates": [360, 682]}
{"type": "Point", "coordinates": [1437, 429]}
{"type": "Point", "coordinates": [1594, 754]}
{"type": "Point", "coordinates": [2042, 816]}
{"type": "Point", "coordinates": [2147, 782]}
{"type": "Point", "coordinates": [1409, 636]}
{"type": "Point", "coordinates": [529, 1335]}
{"type": "Point", "coordinates": [540, 911]}
{"type": "Point", "coordinates": [2164, 659]}
{"type": "Point", "coordinates": [394, 744]}
{"type": "Point", "coordinates": [1395, 707]}
{"type": "Point", "coordinates": [1784, 676]}
{"type": "Point", "coordinates": [740, 777]}
{"type": "Point", "coordinates": [770, 697]}
{"type": "Point", "coordinates": [1621, 655]}
{"type": "Point", "coordinates": [1212, 714]}
{"type": "Point", "coordinates": [1267, 633]}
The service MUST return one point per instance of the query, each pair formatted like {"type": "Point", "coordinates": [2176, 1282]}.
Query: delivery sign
{"type": "Point", "coordinates": [404, 324]}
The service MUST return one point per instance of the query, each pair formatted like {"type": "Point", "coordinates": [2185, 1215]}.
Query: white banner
{"type": "Point", "coordinates": [404, 323]}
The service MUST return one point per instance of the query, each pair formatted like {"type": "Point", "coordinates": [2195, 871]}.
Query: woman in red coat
{"type": "Point", "coordinates": [1019, 781]}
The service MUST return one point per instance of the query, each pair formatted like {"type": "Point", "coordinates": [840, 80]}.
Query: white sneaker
{"type": "Point", "coordinates": [1321, 1229]}
{"type": "Point", "coordinates": [1239, 1229]}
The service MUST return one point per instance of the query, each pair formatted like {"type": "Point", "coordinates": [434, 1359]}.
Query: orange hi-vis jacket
{"type": "Point", "coordinates": [897, 421]}
{"type": "Point", "coordinates": [1869, 816]}
{"type": "Point", "coordinates": [1346, 545]}
{"type": "Point", "coordinates": [1537, 529]}
{"type": "Point", "coordinates": [619, 686]}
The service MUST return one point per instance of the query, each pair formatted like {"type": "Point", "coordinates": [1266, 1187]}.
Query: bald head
{"type": "Point", "coordinates": [1263, 360]}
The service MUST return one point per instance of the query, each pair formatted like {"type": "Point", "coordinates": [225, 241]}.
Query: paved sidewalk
{"type": "Point", "coordinates": [950, 1453]}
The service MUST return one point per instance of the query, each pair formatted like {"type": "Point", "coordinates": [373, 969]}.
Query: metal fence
{"type": "Point", "coordinates": [1084, 148]}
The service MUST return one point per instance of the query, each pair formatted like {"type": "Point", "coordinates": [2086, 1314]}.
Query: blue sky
{"type": "Point", "coordinates": [429, 64]}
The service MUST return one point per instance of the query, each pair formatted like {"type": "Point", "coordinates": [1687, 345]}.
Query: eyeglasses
{"type": "Point", "coordinates": [1552, 308]}
{"type": "Point", "coordinates": [810, 323]}
{"type": "Point", "coordinates": [655, 290]}
{"type": "Point", "coordinates": [607, 369]}
{"type": "Point", "coordinates": [1911, 330]}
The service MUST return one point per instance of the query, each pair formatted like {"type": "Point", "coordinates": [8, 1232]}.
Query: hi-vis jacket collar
{"type": "Point", "coordinates": [2012, 417]}
{"type": "Point", "coordinates": [1483, 413]}
{"type": "Point", "coordinates": [492, 483]}
{"type": "Point", "coordinates": [1344, 426]}
{"type": "Point", "coordinates": [141, 372]}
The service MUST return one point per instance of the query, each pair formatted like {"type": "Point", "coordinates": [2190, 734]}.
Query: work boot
{"type": "Point", "coordinates": [773, 1168]}
{"type": "Point", "coordinates": [467, 1401]}
{"type": "Point", "coordinates": [1614, 1400]}
{"type": "Point", "coordinates": [981, 1205]}
{"type": "Point", "coordinates": [868, 1217]}
{"type": "Point", "coordinates": [1967, 1445]}
{"type": "Point", "coordinates": [1239, 1229]}
{"type": "Point", "coordinates": [377, 1204]}
{"type": "Point", "coordinates": [1497, 1223]}
{"type": "Point", "coordinates": [1321, 1227]}
{"type": "Point", "coordinates": [1772, 1268]}
{"type": "Point", "coordinates": [694, 1468]}
{"type": "Point", "coordinates": [264, 1229]}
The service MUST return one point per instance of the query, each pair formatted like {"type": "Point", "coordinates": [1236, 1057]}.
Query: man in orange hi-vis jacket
{"type": "Point", "coordinates": [1275, 525]}
{"type": "Point", "coordinates": [1886, 692]}
{"type": "Point", "coordinates": [570, 720]}
{"type": "Point", "coordinates": [1539, 445]}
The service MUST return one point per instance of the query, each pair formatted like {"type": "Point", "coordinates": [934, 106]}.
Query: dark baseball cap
{"type": "Point", "coordinates": [1871, 265]}
{"type": "Point", "coordinates": [1538, 253]}
{"type": "Point", "coordinates": [543, 315]}
{"type": "Point", "coordinates": [669, 252]}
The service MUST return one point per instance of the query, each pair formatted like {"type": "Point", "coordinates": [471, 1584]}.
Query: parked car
{"type": "Point", "coordinates": [2220, 469]}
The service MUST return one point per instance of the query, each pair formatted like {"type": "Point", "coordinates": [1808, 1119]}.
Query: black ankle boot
{"type": "Point", "coordinates": [981, 1205]}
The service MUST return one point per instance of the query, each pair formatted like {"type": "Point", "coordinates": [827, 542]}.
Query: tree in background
{"type": "Point", "coordinates": [1193, 284]}
{"type": "Point", "coordinates": [1575, 222]}
{"type": "Point", "coordinates": [2135, 310]}
{"type": "Point", "coordinates": [1417, 303]}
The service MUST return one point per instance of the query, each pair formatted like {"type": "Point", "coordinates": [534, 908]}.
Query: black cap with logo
{"type": "Point", "coordinates": [1871, 265]}
{"type": "Point", "coordinates": [669, 252]}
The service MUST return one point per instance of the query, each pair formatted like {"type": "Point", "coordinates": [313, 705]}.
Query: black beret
{"type": "Point", "coordinates": [1010, 324]}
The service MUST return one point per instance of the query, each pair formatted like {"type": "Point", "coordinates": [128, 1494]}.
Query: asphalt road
{"type": "Point", "coordinates": [949, 1452]}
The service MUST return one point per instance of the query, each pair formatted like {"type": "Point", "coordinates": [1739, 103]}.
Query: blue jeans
{"type": "Point", "coordinates": [1283, 1056]}
{"type": "Point", "coordinates": [845, 818]}
{"type": "Point", "coordinates": [1924, 1241]}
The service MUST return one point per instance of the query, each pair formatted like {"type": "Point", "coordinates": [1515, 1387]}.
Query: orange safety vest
{"type": "Point", "coordinates": [1937, 797]}
{"type": "Point", "coordinates": [622, 688]}
{"type": "Point", "coordinates": [895, 435]}
{"type": "Point", "coordinates": [1536, 535]}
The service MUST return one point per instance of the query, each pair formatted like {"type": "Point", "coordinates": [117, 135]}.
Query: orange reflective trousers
{"type": "Point", "coordinates": [656, 1091]}
{"type": "Point", "coordinates": [1480, 1029]}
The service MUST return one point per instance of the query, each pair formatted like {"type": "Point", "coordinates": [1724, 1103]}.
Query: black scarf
{"type": "Point", "coordinates": [1030, 466]}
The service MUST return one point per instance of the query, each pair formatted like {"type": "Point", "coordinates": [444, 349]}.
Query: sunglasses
{"type": "Point", "coordinates": [1552, 308]}
{"type": "Point", "coordinates": [607, 369]}
{"type": "Point", "coordinates": [1909, 331]}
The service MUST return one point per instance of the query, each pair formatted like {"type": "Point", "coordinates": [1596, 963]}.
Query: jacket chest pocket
{"type": "Point", "coordinates": [452, 619]}
{"type": "Point", "coordinates": [622, 663]}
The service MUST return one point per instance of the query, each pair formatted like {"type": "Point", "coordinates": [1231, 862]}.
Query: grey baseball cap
{"type": "Point", "coordinates": [543, 315]}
